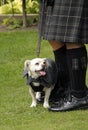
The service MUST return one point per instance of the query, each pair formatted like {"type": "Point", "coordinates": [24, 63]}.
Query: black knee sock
{"type": "Point", "coordinates": [77, 64]}
{"type": "Point", "coordinates": [63, 77]}
{"type": "Point", "coordinates": [61, 61]}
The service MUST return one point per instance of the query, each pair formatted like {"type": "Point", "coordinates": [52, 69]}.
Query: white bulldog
{"type": "Point", "coordinates": [41, 74]}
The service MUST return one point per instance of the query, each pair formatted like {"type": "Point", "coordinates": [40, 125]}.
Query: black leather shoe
{"type": "Point", "coordinates": [72, 104]}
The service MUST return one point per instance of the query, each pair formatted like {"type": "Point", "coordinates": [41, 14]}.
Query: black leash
{"type": "Point", "coordinates": [41, 29]}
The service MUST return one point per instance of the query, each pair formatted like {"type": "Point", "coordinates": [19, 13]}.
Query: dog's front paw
{"type": "Point", "coordinates": [46, 105]}
{"type": "Point", "coordinates": [33, 104]}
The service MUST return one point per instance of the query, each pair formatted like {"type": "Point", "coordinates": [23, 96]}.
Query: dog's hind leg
{"type": "Point", "coordinates": [47, 95]}
{"type": "Point", "coordinates": [33, 95]}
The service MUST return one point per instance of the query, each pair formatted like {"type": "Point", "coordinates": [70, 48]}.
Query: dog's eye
{"type": "Point", "coordinates": [44, 62]}
{"type": "Point", "coordinates": [37, 63]}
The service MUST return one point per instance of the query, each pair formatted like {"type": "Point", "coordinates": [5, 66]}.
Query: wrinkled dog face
{"type": "Point", "coordinates": [36, 67]}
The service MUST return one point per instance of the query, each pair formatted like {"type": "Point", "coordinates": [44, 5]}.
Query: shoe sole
{"type": "Point", "coordinates": [85, 107]}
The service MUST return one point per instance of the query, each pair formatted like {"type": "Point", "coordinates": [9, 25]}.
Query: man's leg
{"type": "Point", "coordinates": [77, 65]}
{"type": "Point", "coordinates": [59, 51]}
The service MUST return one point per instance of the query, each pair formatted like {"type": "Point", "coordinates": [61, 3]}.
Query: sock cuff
{"type": "Point", "coordinates": [60, 50]}
{"type": "Point", "coordinates": [77, 51]}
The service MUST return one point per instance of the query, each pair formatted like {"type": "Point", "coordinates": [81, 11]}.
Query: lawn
{"type": "Point", "coordinates": [15, 113]}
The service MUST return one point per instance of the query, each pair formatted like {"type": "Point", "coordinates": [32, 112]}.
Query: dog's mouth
{"type": "Point", "coordinates": [42, 72]}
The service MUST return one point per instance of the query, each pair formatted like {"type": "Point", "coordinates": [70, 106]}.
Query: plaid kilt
{"type": "Point", "coordinates": [65, 21]}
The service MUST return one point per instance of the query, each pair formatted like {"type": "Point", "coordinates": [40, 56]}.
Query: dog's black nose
{"type": "Point", "coordinates": [43, 65]}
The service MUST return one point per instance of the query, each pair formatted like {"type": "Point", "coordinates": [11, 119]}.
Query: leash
{"type": "Point", "coordinates": [41, 29]}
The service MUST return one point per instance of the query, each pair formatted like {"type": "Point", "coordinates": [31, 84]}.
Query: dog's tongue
{"type": "Point", "coordinates": [43, 73]}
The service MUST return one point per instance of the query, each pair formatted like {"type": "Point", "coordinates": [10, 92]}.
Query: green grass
{"type": "Point", "coordinates": [15, 113]}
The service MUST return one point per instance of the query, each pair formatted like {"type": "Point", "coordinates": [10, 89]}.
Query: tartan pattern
{"type": "Point", "coordinates": [84, 62]}
{"type": "Point", "coordinates": [75, 64]}
{"type": "Point", "coordinates": [66, 21]}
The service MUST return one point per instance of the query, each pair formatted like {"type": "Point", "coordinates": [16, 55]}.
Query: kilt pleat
{"type": "Point", "coordinates": [66, 21]}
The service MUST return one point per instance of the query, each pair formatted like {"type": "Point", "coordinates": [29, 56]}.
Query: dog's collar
{"type": "Point", "coordinates": [40, 80]}
{"type": "Point", "coordinates": [30, 81]}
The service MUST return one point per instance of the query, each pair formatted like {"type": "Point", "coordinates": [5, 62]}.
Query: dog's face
{"type": "Point", "coordinates": [35, 67]}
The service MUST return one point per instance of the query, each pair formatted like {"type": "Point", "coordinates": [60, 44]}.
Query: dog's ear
{"type": "Point", "coordinates": [27, 64]}
{"type": "Point", "coordinates": [26, 67]}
